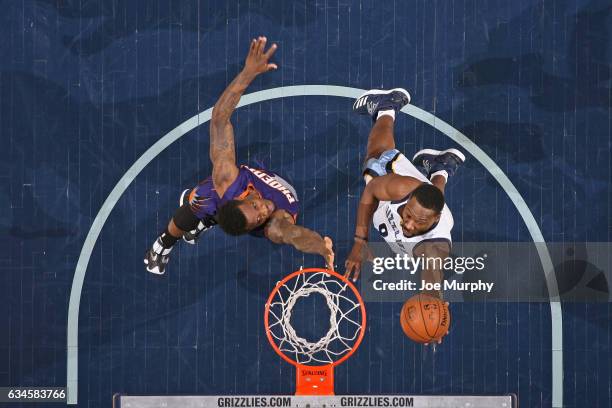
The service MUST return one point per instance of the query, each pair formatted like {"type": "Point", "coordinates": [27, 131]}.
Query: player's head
{"type": "Point", "coordinates": [422, 210]}
{"type": "Point", "coordinates": [239, 217]}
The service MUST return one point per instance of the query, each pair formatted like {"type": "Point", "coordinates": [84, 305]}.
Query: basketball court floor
{"type": "Point", "coordinates": [104, 109]}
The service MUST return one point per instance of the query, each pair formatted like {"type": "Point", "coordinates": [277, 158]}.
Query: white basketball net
{"type": "Point", "coordinates": [345, 319]}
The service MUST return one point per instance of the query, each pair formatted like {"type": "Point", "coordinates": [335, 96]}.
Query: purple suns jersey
{"type": "Point", "coordinates": [205, 201]}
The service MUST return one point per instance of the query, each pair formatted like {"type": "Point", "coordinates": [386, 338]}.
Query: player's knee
{"type": "Point", "coordinates": [185, 219]}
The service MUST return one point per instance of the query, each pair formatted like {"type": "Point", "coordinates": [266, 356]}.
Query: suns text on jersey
{"type": "Point", "coordinates": [272, 182]}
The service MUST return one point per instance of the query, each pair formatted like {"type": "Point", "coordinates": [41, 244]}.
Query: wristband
{"type": "Point", "coordinates": [365, 239]}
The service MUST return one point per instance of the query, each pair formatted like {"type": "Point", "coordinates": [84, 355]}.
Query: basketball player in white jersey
{"type": "Point", "coordinates": [404, 200]}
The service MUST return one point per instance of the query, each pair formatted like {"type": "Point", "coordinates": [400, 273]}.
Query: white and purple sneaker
{"type": "Point", "coordinates": [429, 161]}
{"type": "Point", "coordinates": [376, 100]}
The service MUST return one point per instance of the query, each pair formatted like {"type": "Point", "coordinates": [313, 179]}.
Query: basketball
{"type": "Point", "coordinates": [425, 319]}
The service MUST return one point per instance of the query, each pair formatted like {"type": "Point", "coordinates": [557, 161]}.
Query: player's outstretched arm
{"type": "Point", "coordinates": [385, 188]}
{"type": "Point", "coordinates": [432, 251]}
{"type": "Point", "coordinates": [281, 230]}
{"type": "Point", "coordinates": [222, 148]}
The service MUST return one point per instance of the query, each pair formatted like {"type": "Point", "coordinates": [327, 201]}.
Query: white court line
{"type": "Point", "coordinates": [311, 90]}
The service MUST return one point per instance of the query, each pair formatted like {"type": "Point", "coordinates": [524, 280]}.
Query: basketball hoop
{"type": "Point", "coordinates": [315, 361]}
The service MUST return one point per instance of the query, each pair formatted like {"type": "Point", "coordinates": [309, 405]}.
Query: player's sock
{"type": "Point", "coordinates": [388, 112]}
{"type": "Point", "coordinates": [442, 173]}
{"type": "Point", "coordinates": [167, 240]}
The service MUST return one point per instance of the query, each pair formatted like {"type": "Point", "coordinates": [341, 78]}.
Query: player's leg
{"type": "Point", "coordinates": [157, 257]}
{"type": "Point", "coordinates": [191, 218]}
{"type": "Point", "coordinates": [381, 106]}
{"type": "Point", "coordinates": [381, 137]}
{"type": "Point", "coordinates": [191, 235]}
{"type": "Point", "coordinates": [439, 181]}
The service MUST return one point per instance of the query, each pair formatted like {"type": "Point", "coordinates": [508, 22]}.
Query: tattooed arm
{"type": "Point", "coordinates": [222, 149]}
{"type": "Point", "coordinates": [281, 229]}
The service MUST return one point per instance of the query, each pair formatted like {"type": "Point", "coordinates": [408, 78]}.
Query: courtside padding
{"type": "Point", "coordinates": [335, 401]}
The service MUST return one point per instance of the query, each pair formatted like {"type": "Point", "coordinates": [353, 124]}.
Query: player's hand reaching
{"type": "Point", "coordinates": [440, 339]}
{"type": "Point", "coordinates": [257, 60]}
{"type": "Point", "coordinates": [353, 262]}
{"type": "Point", "coordinates": [329, 253]}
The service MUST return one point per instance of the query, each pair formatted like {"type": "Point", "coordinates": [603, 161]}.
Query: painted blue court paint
{"type": "Point", "coordinates": [311, 90]}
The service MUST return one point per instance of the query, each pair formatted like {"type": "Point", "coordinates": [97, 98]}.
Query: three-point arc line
{"type": "Point", "coordinates": [311, 90]}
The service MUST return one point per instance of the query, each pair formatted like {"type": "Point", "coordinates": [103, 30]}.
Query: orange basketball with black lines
{"type": "Point", "coordinates": [425, 319]}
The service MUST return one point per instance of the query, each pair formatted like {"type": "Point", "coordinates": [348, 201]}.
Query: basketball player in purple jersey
{"type": "Point", "coordinates": [241, 199]}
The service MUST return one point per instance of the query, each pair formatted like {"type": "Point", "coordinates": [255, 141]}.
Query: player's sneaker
{"type": "Point", "coordinates": [157, 258]}
{"type": "Point", "coordinates": [430, 161]}
{"type": "Point", "coordinates": [192, 236]}
{"type": "Point", "coordinates": [375, 100]}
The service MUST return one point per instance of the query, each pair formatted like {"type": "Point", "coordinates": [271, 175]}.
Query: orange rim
{"type": "Point", "coordinates": [336, 275]}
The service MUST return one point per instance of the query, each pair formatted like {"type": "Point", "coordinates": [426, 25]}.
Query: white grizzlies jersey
{"type": "Point", "coordinates": [388, 221]}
